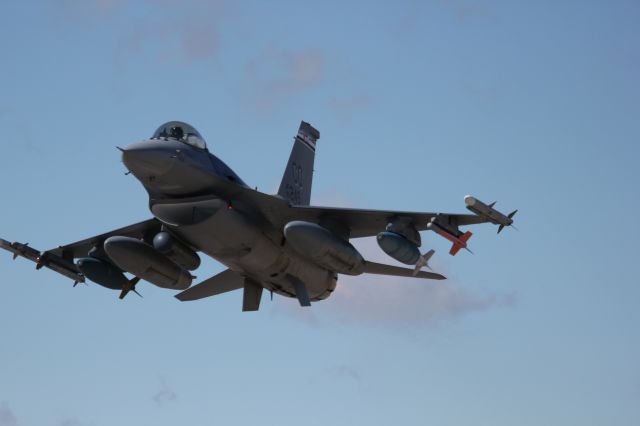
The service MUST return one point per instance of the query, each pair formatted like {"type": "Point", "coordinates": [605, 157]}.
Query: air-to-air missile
{"type": "Point", "coordinates": [43, 259]}
{"type": "Point", "coordinates": [488, 212]}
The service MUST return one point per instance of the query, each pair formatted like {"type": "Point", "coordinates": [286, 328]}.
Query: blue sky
{"type": "Point", "coordinates": [533, 104]}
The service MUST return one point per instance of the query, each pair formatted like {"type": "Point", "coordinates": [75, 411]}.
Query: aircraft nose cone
{"type": "Point", "coordinates": [146, 158]}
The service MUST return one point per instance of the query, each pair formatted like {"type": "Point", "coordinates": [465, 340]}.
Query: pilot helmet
{"type": "Point", "coordinates": [176, 132]}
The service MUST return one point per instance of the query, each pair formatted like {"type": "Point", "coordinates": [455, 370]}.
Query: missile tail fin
{"type": "Point", "coordinates": [493, 204]}
{"type": "Point", "coordinates": [423, 261]}
{"type": "Point", "coordinates": [129, 286]}
{"type": "Point", "coordinates": [461, 243]}
{"type": "Point", "coordinates": [510, 216]}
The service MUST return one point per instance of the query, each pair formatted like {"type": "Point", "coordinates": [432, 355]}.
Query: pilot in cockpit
{"type": "Point", "coordinates": [176, 132]}
{"type": "Point", "coordinates": [180, 131]}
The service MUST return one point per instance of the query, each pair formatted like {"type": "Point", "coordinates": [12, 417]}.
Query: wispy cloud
{"type": "Point", "coordinates": [376, 300]}
{"type": "Point", "coordinates": [404, 302]}
{"type": "Point", "coordinates": [7, 417]}
{"type": "Point", "coordinates": [71, 421]}
{"type": "Point", "coordinates": [170, 31]}
{"type": "Point", "coordinates": [461, 11]}
{"type": "Point", "coordinates": [164, 395]}
{"type": "Point", "coordinates": [409, 19]}
{"type": "Point", "coordinates": [345, 106]}
{"type": "Point", "coordinates": [291, 308]}
{"type": "Point", "coordinates": [181, 32]}
{"type": "Point", "coordinates": [277, 76]}
{"type": "Point", "coordinates": [344, 371]}
{"type": "Point", "coordinates": [466, 11]}
{"type": "Point", "coordinates": [94, 9]}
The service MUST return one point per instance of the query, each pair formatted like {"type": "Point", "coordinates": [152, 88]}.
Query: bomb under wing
{"type": "Point", "coordinates": [488, 212]}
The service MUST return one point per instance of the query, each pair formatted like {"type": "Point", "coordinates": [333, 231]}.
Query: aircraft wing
{"type": "Point", "coordinates": [224, 282]}
{"type": "Point", "coordinates": [367, 223]}
{"type": "Point", "coordinates": [140, 230]}
{"type": "Point", "coordinates": [361, 222]}
{"type": "Point", "coordinates": [60, 259]}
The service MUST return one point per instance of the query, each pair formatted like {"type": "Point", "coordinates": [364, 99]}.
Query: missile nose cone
{"type": "Point", "coordinates": [469, 200]}
{"type": "Point", "coordinates": [146, 158]}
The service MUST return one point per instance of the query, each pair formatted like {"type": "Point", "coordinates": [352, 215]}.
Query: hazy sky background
{"type": "Point", "coordinates": [533, 104]}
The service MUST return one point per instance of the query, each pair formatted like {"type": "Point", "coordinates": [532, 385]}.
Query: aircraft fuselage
{"type": "Point", "coordinates": [186, 195]}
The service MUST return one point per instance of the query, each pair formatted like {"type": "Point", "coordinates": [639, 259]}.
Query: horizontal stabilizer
{"type": "Point", "coordinates": [224, 282]}
{"type": "Point", "coordinates": [397, 271]}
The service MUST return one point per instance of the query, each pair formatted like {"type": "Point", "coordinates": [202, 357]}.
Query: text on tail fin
{"type": "Point", "coordinates": [298, 176]}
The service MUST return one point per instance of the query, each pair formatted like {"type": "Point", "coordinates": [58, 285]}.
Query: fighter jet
{"type": "Point", "coordinates": [279, 242]}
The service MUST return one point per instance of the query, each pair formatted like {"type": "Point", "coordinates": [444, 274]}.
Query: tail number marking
{"type": "Point", "coordinates": [294, 190]}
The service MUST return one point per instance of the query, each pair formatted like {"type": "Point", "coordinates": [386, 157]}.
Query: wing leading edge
{"type": "Point", "coordinates": [61, 259]}
{"type": "Point", "coordinates": [368, 223]}
{"type": "Point", "coordinates": [360, 222]}
{"type": "Point", "coordinates": [141, 230]}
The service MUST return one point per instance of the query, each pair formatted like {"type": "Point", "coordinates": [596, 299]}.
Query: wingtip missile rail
{"type": "Point", "coordinates": [43, 259]}
{"type": "Point", "coordinates": [488, 212]}
{"type": "Point", "coordinates": [20, 249]}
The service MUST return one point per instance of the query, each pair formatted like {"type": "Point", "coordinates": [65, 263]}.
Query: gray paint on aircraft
{"type": "Point", "coordinates": [200, 205]}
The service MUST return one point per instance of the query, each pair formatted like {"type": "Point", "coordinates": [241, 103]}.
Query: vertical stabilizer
{"type": "Point", "coordinates": [298, 176]}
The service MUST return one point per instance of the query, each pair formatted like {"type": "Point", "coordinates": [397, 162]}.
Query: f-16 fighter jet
{"type": "Point", "coordinates": [279, 242]}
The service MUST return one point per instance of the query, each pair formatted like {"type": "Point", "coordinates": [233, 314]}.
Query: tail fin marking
{"type": "Point", "coordinates": [298, 176]}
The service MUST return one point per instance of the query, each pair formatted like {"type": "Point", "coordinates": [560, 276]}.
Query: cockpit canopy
{"type": "Point", "coordinates": [181, 131]}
